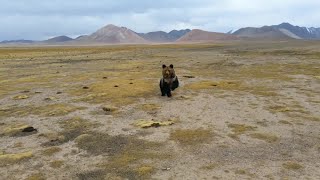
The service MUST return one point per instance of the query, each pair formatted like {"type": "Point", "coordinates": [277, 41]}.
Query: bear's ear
{"type": "Point", "coordinates": [171, 65]}
{"type": "Point", "coordinates": [164, 66]}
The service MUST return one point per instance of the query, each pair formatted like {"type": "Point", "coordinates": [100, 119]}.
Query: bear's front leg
{"type": "Point", "coordinates": [167, 89]}
{"type": "Point", "coordinates": [169, 92]}
{"type": "Point", "coordinates": [162, 88]}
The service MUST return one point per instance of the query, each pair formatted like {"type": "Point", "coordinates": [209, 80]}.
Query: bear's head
{"type": "Point", "coordinates": [168, 71]}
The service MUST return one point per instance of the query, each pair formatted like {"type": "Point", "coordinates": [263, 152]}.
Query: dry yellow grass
{"type": "Point", "coordinates": [97, 83]}
{"type": "Point", "coordinates": [46, 110]}
{"type": "Point", "coordinates": [265, 137]}
{"type": "Point", "coordinates": [51, 151]}
{"type": "Point", "coordinates": [192, 137]}
{"type": "Point", "coordinates": [292, 166]}
{"type": "Point", "coordinates": [8, 159]}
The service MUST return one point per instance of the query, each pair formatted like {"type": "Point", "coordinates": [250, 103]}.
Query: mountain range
{"type": "Point", "coordinates": [112, 34]}
{"type": "Point", "coordinates": [281, 31]}
{"type": "Point", "coordinates": [198, 35]}
{"type": "Point", "coordinates": [161, 36]}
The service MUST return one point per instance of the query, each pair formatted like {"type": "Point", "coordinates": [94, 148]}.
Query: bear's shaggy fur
{"type": "Point", "coordinates": [169, 82]}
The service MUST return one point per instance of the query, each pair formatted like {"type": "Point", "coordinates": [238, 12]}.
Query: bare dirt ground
{"type": "Point", "coordinates": [244, 110]}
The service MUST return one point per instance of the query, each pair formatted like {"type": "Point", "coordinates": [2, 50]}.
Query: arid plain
{"type": "Point", "coordinates": [244, 110]}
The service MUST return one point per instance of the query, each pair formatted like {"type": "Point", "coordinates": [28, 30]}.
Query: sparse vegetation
{"type": "Point", "coordinates": [36, 176]}
{"type": "Point", "coordinates": [48, 110]}
{"type": "Point", "coordinates": [125, 153]}
{"type": "Point", "coordinates": [192, 136]}
{"type": "Point", "coordinates": [239, 129]}
{"type": "Point", "coordinates": [265, 137]}
{"type": "Point", "coordinates": [75, 127]}
{"type": "Point", "coordinates": [292, 166]}
{"type": "Point", "coordinates": [84, 102]}
{"type": "Point", "coordinates": [209, 167]}
{"type": "Point", "coordinates": [56, 164]}
{"type": "Point", "coordinates": [149, 107]}
{"type": "Point", "coordinates": [51, 151]}
{"type": "Point", "coordinates": [8, 159]}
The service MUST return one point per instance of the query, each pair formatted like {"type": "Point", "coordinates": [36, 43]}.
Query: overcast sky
{"type": "Point", "coordinates": [42, 19]}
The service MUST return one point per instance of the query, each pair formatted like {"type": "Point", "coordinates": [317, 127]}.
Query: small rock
{"type": "Point", "coordinates": [29, 129]}
{"type": "Point", "coordinates": [116, 86]}
{"type": "Point", "coordinates": [166, 169]}
{"type": "Point", "coordinates": [59, 92]}
{"type": "Point", "coordinates": [85, 87]}
{"type": "Point", "coordinates": [52, 114]}
{"type": "Point", "coordinates": [21, 97]}
{"type": "Point", "coordinates": [19, 130]}
{"type": "Point", "coordinates": [152, 123]}
{"type": "Point", "coordinates": [38, 92]}
{"type": "Point", "coordinates": [105, 78]}
{"type": "Point", "coordinates": [109, 109]}
{"type": "Point", "coordinates": [131, 83]}
{"type": "Point", "coordinates": [26, 91]}
{"type": "Point", "coordinates": [50, 98]}
{"type": "Point", "coordinates": [189, 77]}
{"type": "Point", "coordinates": [184, 97]}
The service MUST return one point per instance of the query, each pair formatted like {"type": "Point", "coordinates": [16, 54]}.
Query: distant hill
{"type": "Point", "coordinates": [112, 34]}
{"type": "Point", "coordinates": [161, 36]}
{"type": "Point", "coordinates": [198, 35]}
{"type": "Point", "coordinates": [81, 37]}
{"type": "Point", "coordinates": [16, 41]}
{"type": "Point", "coordinates": [302, 32]}
{"type": "Point", "coordinates": [58, 39]}
{"type": "Point", "coordinates": [265, 32]}
{"type": "Point", "coordinates": [281, 31]}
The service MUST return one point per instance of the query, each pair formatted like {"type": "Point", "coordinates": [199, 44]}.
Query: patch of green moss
{"type": "Point", "coordinates": [279, 108]}
{"type": "Point", "coordinates": [260, 90]}
{"type": "Point", "coordinates": [118, 91]}
{"type": "Point", "coordinates": [307, 117]}
{"type": "Point", "coordinates": [239, 129]}
{"type": "Point", "coordinates": [18, 145]}
{"type": "Point", "coordinates": [285, 122]}
{"type": "Point", "coordinates": [92, 175]}
{"type": "Point", "coordinates": [13, 129]}
{"type": "Point", "coordinates": [145, 171]}
{"type": "Point", "coordinates": [20, 97]}
{"type": "Point", "coordinates": [240, 172]}
{"type": "Point", "coordinates": [53, 138]}
{"type": "Point", "coordinates": [72, 128]}
{"type": "Point", "coordinates": [97, 143]}
{"type": "Point", "coordinates": [48, 110]}
{"type": "Point", "coordinates": [124, 152]}
{"type": "Point", "coordinates": [149, 107]}
{"type": "Point", "coordinates": [191, 137]}
{"type": "Point", "coordinates": [109, 109]}
{"type": "Point", "coordinates": [226, 85]}
{"type": "Point", "coordinates": [75, 127]}
{"type": "Point", "coordinates": [270, 71]}
{"type": "Point", "coordinates": [142, 123]}
{"type": "Point", "coordinates": [51, 151]}
{"type": "Point", "coordinates": [36, 176]}
{"type": "Point", "coordinates": [292, 166]}
{"type": "Point", "coordinates": [56, 164]}
{"type": "Point", "coordinates": [8, 159]}
{"type": "Point", "coordinates": [265, 137]}
{"type": "Point", "coordinates": [210, 166]}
